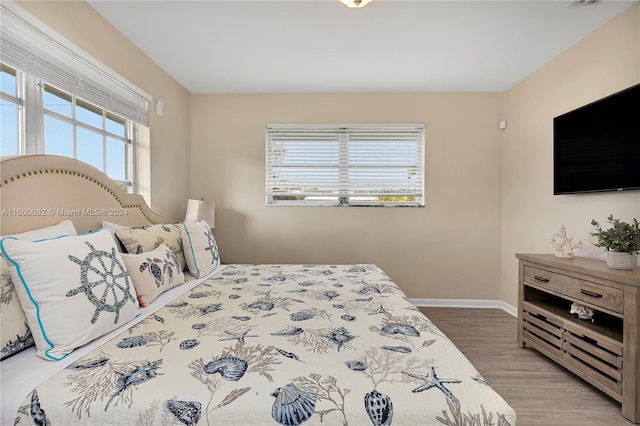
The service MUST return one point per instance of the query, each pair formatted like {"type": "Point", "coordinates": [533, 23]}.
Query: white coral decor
{"type": "Point", "coordinates": [563, 245]}
{"type": "Point", "coordinates": [583, 312]}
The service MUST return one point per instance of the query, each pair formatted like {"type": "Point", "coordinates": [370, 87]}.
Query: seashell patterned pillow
{"type": "Point", "coordinates": [141, 239]}
{"type": "Point", "coordinates": [200, 248]}
{"type": "Point", "coordinates": [153, 272]}
{"type": "Point", "coordinates": [73, 289]}
{"type": "Point", "coordinates": [15, 335]}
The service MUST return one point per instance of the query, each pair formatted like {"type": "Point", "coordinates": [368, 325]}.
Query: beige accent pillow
{"type": "Point", "coordinates": [200, 248]}
{"type": "Point", "coordinates": [73, 289]}
{"type": "Point", "coordinates": [141, 239]}
{"type": "Point", "coordinates": [153, 273]}
{"type": "Point", "coordinates": [15, 335]}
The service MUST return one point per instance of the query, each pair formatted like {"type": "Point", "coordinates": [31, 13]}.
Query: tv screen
{"type": "Point", "coordinates": [597, 147]}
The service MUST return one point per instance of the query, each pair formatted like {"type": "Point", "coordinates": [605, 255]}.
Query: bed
{"type": "Point", "coordinates": [234, 344]}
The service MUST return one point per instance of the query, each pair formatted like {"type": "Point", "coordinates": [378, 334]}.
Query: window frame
{"type": "Point", "coordinates": [16, 100]}
{"type": "Point", "coordinates": [346, 139]}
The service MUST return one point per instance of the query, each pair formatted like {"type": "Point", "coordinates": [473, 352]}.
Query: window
{"type": "Point", "coordinates": [78, 129]}
{"type": "Point", "coordinates": [51, 121]}
{"type": "Point", "coordinates": [345, 165]}
{"type": "Point", "coordinates": [57, 99]}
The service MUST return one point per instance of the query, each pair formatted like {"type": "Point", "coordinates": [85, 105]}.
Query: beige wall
{"type": "Point", "coordinates": [604, 62]}
{"type": "Point", "coordinates": [449, 249]}
{"type": "Point", "coordinates": [81, 24]}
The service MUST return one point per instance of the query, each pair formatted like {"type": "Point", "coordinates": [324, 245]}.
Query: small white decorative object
{"type": "Point", "coordinates": [563, 245]}
{"type": "Point", "coordinates": [583, 312]}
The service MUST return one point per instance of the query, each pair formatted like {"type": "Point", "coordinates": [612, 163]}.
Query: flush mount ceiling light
{"type": "Point", "coordinates": [356, 3]}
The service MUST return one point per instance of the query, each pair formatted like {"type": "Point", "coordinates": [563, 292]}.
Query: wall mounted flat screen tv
{"type": "Point", "coordinates": [597, 147]}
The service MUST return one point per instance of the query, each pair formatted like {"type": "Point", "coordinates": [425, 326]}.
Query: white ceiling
{"type": "Point", "coordinates": [320, 46]}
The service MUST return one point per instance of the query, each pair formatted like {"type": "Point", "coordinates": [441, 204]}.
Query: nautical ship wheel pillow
{"type": "Point", "coordinates": [73, 289]}
{"type": "Point", "coordinates": [15, 335]}
{"type": "Point", "coordinates": [200, 248]}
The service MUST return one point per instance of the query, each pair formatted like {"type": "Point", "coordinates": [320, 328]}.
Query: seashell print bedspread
{"type": "Point", "coordinates": [275, 344]}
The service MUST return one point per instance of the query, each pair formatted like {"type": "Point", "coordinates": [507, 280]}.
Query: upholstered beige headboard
{"type": "Point", "coordinates": [42, 190]}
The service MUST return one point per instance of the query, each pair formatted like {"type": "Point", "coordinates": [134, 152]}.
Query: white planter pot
{"type": "Point", "coordinates": [617, 260]}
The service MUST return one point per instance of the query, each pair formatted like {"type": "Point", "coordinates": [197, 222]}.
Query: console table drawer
{"type": "Point", "coordinates": [595, 294]}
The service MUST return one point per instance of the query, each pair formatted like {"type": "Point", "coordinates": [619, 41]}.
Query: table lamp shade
{"type": "Point", "coordinates": [200, 209]}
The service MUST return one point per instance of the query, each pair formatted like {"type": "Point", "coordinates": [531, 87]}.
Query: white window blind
{"type": "Point", "coordinates": [337, 164]}
{"type": "Point", "coordinates": [45, 56]}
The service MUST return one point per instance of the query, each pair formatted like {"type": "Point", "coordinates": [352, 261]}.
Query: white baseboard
{"type": "Point", "coordinates": [466, 303]}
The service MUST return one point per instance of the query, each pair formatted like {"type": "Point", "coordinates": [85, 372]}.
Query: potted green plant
{"type": "Point", "coordinates": [621, 240]}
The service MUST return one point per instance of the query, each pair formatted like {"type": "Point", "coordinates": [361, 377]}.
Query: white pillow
{"type": "Point", "coordinates": [153, 273]}
{"type": "Point", "coordinates": [63, 228]}
{"type": "Point", "coordinates": [200, 248]}
{"type": "Point", "coordinates": [60, 283]}
{"type": "Point", "coordinates": [15, 335]}
{"type": "Point", "coordinates": [112, 228]}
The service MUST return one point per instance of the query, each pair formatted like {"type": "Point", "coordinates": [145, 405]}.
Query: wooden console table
{"type": "Point", "coordinates": [605, 351]}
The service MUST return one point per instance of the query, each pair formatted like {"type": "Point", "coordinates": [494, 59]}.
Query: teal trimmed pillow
{"type": "Point", "coordinates": [200, 248]}
{"type": "Point", "coordinates": [15, 335]}
{"type": "Point", "coordinates": [73, 289]}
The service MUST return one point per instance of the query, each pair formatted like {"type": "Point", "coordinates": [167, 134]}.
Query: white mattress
{"type": "Point", "coordinates": [21, 373]}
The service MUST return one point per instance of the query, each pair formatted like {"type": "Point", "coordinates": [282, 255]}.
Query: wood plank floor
{"type": "Point", "coordinates": [540, 391]}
